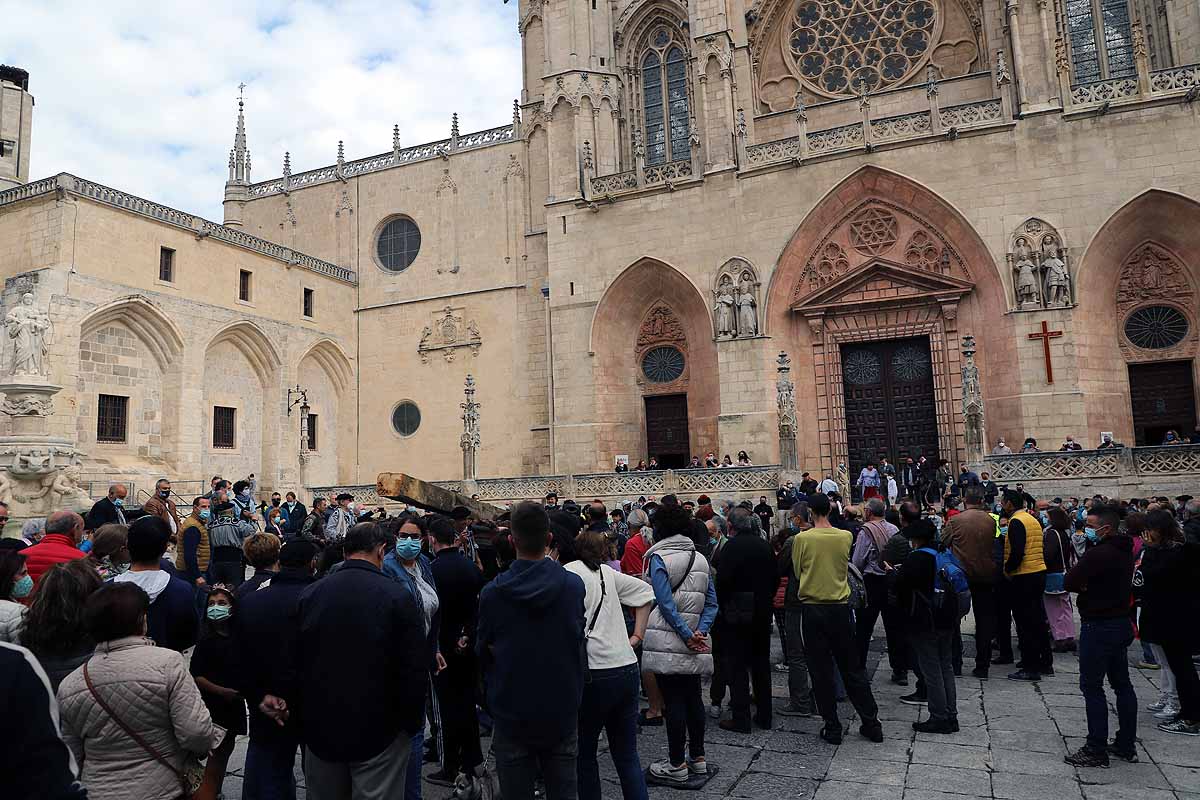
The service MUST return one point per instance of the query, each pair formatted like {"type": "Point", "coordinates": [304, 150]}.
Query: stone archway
{"type": "Point", "coordinates": [883, 259]}
{"type": "Point", "coordinates": [1139, 259]}
{"type": "Point", "coordinates": [652, 305]}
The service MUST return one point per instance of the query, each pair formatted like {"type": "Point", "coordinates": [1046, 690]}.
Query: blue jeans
{"type": "Point", "coordinates": [269, 772]}
{"type": "Point", "coordinates": [610, 702]}
{"type": "Point", "coordinates": [412, 781]}
{"type": "Point", "coordinates": [519, 760]}
{"type": "Point", "coordinates": [1102, 652]}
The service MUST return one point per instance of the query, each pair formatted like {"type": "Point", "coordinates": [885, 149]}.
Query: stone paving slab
{"type": "Point", "coordinates": [1011, 745]}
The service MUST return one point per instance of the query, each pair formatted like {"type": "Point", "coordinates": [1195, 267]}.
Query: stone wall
{"type": "Point", "coordinates": [113, 361]}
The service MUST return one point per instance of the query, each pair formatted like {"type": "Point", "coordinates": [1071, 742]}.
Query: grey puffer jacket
{"type": "Point", "coordinates": [663, 651]}
{"type": "Point", "coordinates": [10, 621]}
{"type": "Point", "coordinates": [150, 689]}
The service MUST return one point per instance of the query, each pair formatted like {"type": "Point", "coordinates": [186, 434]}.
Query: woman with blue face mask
{"type": "Point", "coordinates": [214, 668]}
{"type": "Point", "coordinates": [15, 585]}
{"type": "Point", "coordinates": [408, 565]}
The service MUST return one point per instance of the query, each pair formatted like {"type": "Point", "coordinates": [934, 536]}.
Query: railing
{"type": "Point", "coordinates": [1144, 84]}
{"type": "Point", "coordinates": [606, 486]}
{"type": "Point", "coordinates": [671, 171]}
{"type": "Point", "coordinates": [376, 163]}
{"type": "Point", "coordinates": [27, 190]}
{"type": "Point", "coordinates": [1131, 467]}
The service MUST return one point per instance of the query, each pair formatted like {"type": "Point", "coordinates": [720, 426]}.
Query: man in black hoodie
{"type": "Point", "coordinates": [530, 641]}
{"type": "Point", "coordinates": [1103, 577]}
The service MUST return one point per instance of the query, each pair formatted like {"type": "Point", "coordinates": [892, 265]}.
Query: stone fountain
{"type": "Point", "coordinates": [39, 472]}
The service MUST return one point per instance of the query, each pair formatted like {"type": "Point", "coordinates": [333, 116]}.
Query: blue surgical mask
{"type": "Point", "coordinates": [218, 613]}
{"type": "Point", "coordinates": [22, 588]}
{"type": "Point", "coordinates": [118, 502]}
{"type": "Point", "coordinates": [1091, 534]}
{"type": "Point", "coordinates": [1045, 518]}
{"type": "Point", "coordinates": [1004, 530]}
{"type": "Point", "coordinates": [205, 514]}
{"type": "Point", "coordinates": [408, 549]}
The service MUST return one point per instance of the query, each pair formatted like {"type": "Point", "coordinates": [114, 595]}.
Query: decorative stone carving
{"type": "Point", "coordinates": [661, 326]}
{"type": "Point", "coordinates": [972, 403]}
{"type": "Point", "coordinates": [27, 405]}
{"type": "Point", "coordinates": [1151, 272]}
{"type": "Point", "coordinates": [736, 296]}
{"type": "Point", "coordinates": [1037, 261]}
{"type": "Point", "coordinates": [873, 231]}
{"type": "Point", "coordinates": [448, 334]}
{"type": "Point", "coordinates": [785, 396]}
{"type": "Point", "coordinates": [662, 341]}
{"type": "Point", "coordinates": [469, 440]}
{"type": "Point", "coordinates": [923, 252]}
{"type": "Point", "coordinates": [31, 332]}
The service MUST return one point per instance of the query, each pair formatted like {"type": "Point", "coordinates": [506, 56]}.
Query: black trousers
{"type": "Point", "coordinates": [460, 725]}
{"type": "Point", "coordinates": [893, 625]}
{"type": "Point", "coordinates": [829, 642]}
{"type": "Point", "coordinates": [983, 606]}
{"type": "Point", "coordinates": [1029, 614]}
{"type": "Point", "coordinates": [1003, 626]}
{"type": "Point", "coordinates": [747, 657]}
{"type": "Point", "coordinates": [720, 680]}
{"type": "Point", "coordinates": [684, 713]}
{"type": "Point", "coordinates": [1187, 682]}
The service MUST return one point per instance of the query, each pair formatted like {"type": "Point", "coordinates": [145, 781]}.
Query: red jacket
{"type": "Point", "coordinates": [54, 548]}
{"type": "Point", "coordinates": [635, 551]}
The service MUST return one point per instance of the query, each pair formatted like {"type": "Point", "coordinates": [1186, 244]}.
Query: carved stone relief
{"type": "Point", "coordinates": [1038, 264]}
{"type": "Point", "coordinates": [736, 301]}
{"type": "Point", "coordinates": [448, 333]}
{"type": "Point", "coordinates": [1156, 304]}
{"type": "Point", "coordinates": [662, 340]}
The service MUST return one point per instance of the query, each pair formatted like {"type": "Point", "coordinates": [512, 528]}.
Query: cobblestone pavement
{"type": "Point", "coordinates": [1011, 745]}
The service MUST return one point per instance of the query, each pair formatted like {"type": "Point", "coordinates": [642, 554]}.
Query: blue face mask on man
{"type": "Point", "coordinates": [205, 514]}
{"type": "Point", "coordinates": [22, 588]}
{"type": "Point", "coordinates": [118, 502]}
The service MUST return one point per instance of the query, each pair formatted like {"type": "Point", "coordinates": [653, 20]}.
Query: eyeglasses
{"type": "Point", "coordinates": [409, 536]}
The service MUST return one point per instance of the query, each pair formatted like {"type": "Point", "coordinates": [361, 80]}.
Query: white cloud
{"type": "Point", "coordinates": [142, 96]}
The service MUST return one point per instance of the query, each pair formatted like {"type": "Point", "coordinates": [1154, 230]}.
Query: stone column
{"type": "Point", "coordinates": [469, 441]}
{"type": "Point", "coordinates": [786, 398]}
{"type": "Point", "coordinates": [972, 404]}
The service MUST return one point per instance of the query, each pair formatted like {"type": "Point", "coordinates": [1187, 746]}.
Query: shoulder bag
{"type": "Point", "coordinates": [587, 633]}
{"type": "Point", "coordinates": [190, 775]}
{"type": "Point", "coordinates": [1054, 580]}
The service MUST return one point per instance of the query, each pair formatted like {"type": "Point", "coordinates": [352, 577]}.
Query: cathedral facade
{"type": "Point", "coordinates": [685, 191]}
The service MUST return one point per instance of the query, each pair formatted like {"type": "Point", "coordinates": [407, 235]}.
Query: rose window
{"type": "Point", "coordinates": [1156, 327]}
{"type": "Point", "coordinates": [910, 363]}
{"type": "Point", "coordinates": [861, 368]}
{"type": "Point", "coordinates": [662, 364]}
{"type": "Point", "coordinates": [843, 47]}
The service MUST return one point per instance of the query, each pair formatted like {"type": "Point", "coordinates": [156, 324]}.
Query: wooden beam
{"type": "Point", "coordinates": [427, 496]}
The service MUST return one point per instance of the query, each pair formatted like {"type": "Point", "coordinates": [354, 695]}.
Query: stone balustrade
{"type": "Point", "coordinates": [735, 483]}
{"type": "Point", "coordinates": [1147, 84]}
{"type": "Point", "coordinates": [1115, 472]}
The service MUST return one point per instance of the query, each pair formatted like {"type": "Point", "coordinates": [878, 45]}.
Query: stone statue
{"type": "Point", "coordinates": [786, 399]}
{"type": "Point", "coordinates": [726, 326]}
{"type": "Point", "coordinates": [747, 310]}
{"type": "Point", "coordinates": [31, 332]}
{"type": "Point", "coordinates": [1058, 279]}
{"type": "Point", "coordinates": [63, 491]}
{"type": "Point", "coordinates": [972, 403]}
{"type": "Point", "coordinates": [1027, 282]}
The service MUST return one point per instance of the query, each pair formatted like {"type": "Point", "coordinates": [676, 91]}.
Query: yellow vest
{"type": "Point", "coordinates": [1032, 560]}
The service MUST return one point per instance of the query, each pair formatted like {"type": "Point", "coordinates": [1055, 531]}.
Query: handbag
{"type": "Point", "coordinates": [1054, 580]}
{"type": "Point", "coordinates": [190, 775]}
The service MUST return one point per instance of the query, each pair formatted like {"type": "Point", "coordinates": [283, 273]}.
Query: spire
{"type": "Point", "coordinates": [516, 115]}
{"type": "Point", "coordinates": [239, 156]}
{"type": "Point", "coordinates": [396, 141]}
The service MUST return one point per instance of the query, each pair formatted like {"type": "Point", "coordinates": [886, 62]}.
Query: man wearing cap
{"type": "Point", "coordinates": [340, 519]}
{"type": "Point", "coordinates": [265, 633]}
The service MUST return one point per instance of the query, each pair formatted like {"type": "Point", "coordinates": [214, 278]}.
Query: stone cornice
{"type": "Point", "coordinates": [67, 183]}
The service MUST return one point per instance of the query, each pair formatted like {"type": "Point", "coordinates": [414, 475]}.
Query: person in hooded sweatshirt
{"type": "Point", "coordinates": [173, 620]}
{"type": "Point", "coordinates": [529, 640]}
{"type": "Point", "coordinates": [1103, 578]}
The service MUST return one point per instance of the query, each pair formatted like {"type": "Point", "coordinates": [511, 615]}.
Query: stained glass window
{"type": "Point", "coordinates": [665, 123]}
{"type": "Point", "coordinates": [662, 364]}
{"type": "Point", "coordinates": [406, 418]}
{"type": "Point", "coordinates": [1156, 327]}
{"type": "Point", "coordinates": [1101, 42]}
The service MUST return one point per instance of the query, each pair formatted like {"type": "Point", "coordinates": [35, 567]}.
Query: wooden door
{"type": "Point", "coordinates": [667, 430]}
{"type": "Point", "coordinates": [1163, 398]}
{"type": "Point", "coordinates": [889, 401]}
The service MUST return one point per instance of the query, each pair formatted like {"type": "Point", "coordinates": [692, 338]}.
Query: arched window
{"type": "Point", "coordinates": [665, 98]}
{"type": "Point", "coordinates": [1101, 40]}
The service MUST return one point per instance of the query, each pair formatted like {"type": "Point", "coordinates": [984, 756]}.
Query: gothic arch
{"type": "Point", "coordinates": [1159, 224]}
{"type": "Point", "coordinates": [334, 361]}
{"type": "Point", "coordinates": [156, 330]}
{"type": "Point", "coordinates": [618, 339]}
{"type": "Point", "coordinates": [639, 15]}
{"type": "Point", "coordinates": [253, 343]}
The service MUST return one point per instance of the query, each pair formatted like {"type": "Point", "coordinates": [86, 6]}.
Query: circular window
{"type": "Point", "coordinates": [662, 364]}
{"type": "Point", "coordinates": [1156, 327]}
{"type": "Point", "coordinates": [910, 363]}
{"type": "Point", "coordinates": [406, 418]}
{"type": "Point", "coordinates": [861, 368]}
{"type": "Point", "coordinates": [398, 244]}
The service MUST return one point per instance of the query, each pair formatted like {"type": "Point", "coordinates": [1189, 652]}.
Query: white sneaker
{"type": "Point", "coordinates": [1168, 711]}
{"type": "Point", "coordinates": [714, 711]}
{"type": "Point", "coordinates": [665, 771]}
{"type": "Point", "coordinates": [698, 767]}
{"type": "Point", "coordinates": [1158, 704]}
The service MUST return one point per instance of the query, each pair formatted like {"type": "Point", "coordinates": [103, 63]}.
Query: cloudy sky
{"type": "Point", "coordinates": [142, 96]}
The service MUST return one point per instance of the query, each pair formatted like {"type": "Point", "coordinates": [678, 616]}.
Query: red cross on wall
{"type": "Point", "coordinates": [1046, 335]}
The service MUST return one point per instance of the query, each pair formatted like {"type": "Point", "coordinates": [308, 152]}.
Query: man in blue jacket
{"type": "Point", "coordinates": [530, 640]}
{"type": "Point", "coordinates": [360, 661]}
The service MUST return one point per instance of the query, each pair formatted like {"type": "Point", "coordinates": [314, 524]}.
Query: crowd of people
{"type": "Point", "coordinates": [709, 461]}
{"type": "Point", "coordinates": [136, 647]}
